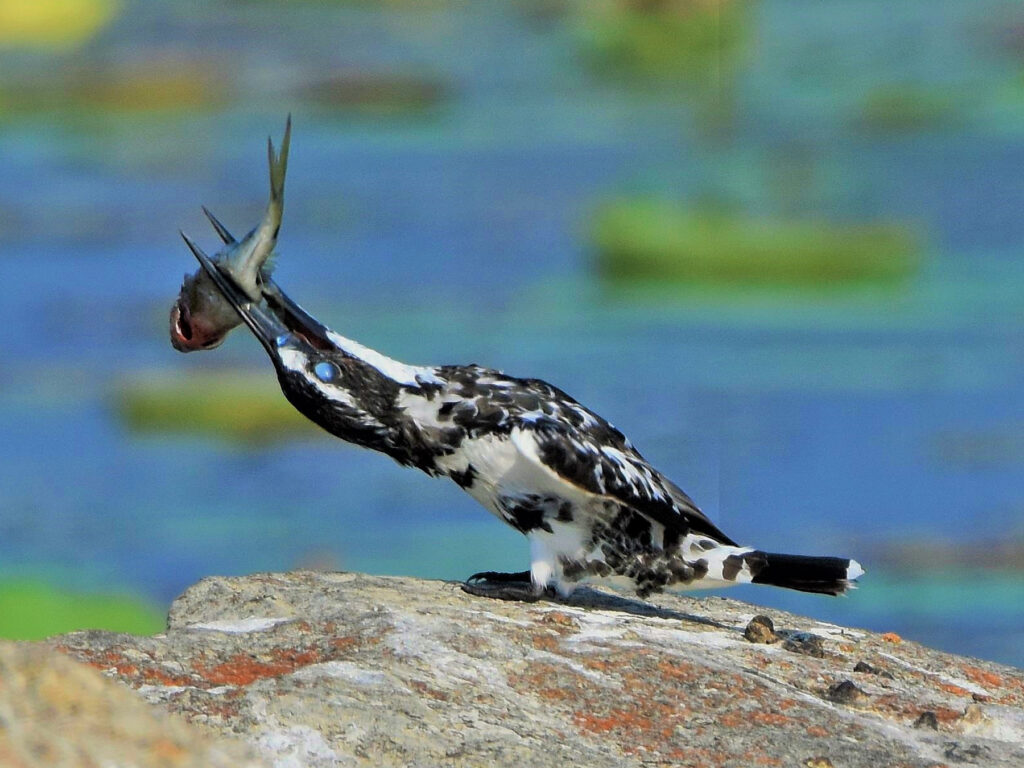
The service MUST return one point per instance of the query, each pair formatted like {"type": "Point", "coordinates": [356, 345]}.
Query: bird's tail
{"type": "Point", "coordinates": [824, 575]}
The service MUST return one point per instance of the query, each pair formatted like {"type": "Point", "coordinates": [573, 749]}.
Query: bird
{"type": "Point", "coordinates": [590, 505]}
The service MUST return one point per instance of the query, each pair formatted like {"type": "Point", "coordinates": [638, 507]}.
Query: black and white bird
{"type": "Point", "coordinates": [590, 505]}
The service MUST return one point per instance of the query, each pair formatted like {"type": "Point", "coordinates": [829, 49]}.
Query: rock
{"type": "Point", "coordinates": [760, 629]}
{"type": "Point", "coordinates": [805, 643]}
{"type": "Point", "coordinates": [323, 669]}
{"type": "Point", "coordinates": [967, 753]}
{"type": "Point", "coordinates": [865, 668]}
{"type": "Point", "coordinates": [846, 692]}
{"type": "Point", "coordinates": [54, 712]}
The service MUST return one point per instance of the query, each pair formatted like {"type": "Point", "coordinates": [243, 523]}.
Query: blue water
{"type": "Point", "coordinates": [850, 422]}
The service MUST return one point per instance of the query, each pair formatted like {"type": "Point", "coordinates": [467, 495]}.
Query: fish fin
{"type": "Point", "coordinates": [278, 163]}
{"type": "Point", "coordinates": [196, 250]}
{"type": "Point", "coordinates": [268, 266]}
{"type": "Point", "coordinates": [222, 231]}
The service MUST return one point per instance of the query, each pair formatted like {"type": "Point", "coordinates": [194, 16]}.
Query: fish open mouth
{"type": "Point", "coordinates": [185, 335]}
{"type": "Point", "coordinates": [181, 327]}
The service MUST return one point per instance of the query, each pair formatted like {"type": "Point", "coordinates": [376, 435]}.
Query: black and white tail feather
{"type": "Point", "coordinates": [590, 505]}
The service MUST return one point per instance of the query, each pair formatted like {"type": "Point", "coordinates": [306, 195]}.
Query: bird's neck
{"type": "Point", "coordinates": [389, 370]}
{"type": "Point", "coordinates": [364, 405]}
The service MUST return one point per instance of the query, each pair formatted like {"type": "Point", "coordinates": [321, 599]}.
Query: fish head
{"type": "Point", "coordinates": [297, 343]}
{"type": "Point", "coordinates": [200, 319]}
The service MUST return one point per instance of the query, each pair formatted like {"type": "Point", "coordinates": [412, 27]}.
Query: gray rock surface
{"type": "Point", "coordinates": [324, 669]}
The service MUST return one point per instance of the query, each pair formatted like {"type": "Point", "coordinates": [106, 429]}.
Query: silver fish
{"type": "Point", "coordinates": [201, 317]}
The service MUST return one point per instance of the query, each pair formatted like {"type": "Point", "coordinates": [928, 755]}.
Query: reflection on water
{"type": "Point", "coordinates": [439, 208]}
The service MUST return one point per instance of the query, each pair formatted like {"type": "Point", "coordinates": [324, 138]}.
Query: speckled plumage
{"type": "Point", "coordinates": [589, 503]}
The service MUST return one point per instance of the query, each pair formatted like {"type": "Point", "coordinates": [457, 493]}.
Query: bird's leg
{"type": "Point", "coordinates": [506, 586]}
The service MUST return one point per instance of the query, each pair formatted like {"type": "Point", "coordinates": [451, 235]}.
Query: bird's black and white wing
{"type": "Point", "coordinates": [598, 459]}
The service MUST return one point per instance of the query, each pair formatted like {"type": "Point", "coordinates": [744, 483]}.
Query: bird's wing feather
{"type": "Point", "coordinates": [615, 470]}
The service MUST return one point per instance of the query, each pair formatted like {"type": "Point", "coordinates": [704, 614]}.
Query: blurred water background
{"type": "Point", "coordinates": [482, 181]}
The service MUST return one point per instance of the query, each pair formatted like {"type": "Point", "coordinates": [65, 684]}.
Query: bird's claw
{"type": "Point", "coordinates": [506, 586]}
{"type": "Point", "coordinates": [499, 576]}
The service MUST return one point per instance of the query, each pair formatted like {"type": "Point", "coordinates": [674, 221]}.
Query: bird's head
{"type": "Point", "coordinates": [308, 362]}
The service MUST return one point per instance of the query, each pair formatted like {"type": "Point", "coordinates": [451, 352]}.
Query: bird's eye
{"type": "Point", "coordinates": [326, 371]}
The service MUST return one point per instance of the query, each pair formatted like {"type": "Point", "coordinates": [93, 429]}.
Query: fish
{"type": "Point", "coordinates": [201, 317]}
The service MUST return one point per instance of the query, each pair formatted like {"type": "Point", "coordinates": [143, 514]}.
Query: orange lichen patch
{"type": "Point", "coordinates": [426, 690]}
{"type": "Point", "coordinates": [106, 660]}
{"type": "Point", "coordinates": [769, 718]}
{"type": "Point", "coordinates": [647, 702]}
{"type": "Point", "coordinates": [892, 637]}
{"type": "Point", "coordinates": [550, 682]}
{"type": "Point", "coordinates": [732, 720]}
{"type": "Point", "coordinates": [129, 671]}
{"type": "Point", "coordinates": [946, 715]}
{"type": "Point", "coordinates": [899, 708]}
{"type": "Point", "coordinates": [599, 665]}
{"type": "Point", "coordinates": [244, 669]}
{"type": "Point", "coordinates": [561, 622]}
{"type": "Point", "coordinates": [678, 671]}
{"type": "Point", "coordinates": [217, 707]}
{"type": "Point", "coordinates": [545, 642]}
{"type": "Point", "coordinates": [329, 629]}
{"type": "Point", "coordinates": [1010, 688]}
{"type": "Point", "coordinates": [619, 720]}
{"type": "Point", "coordinates": [553, 694]}
{"type": "Point", "coordinates": [982, 677]}
{"type": "Point", "coordinates": [345, 643]}
{"type": "Point", "coordinates": [156, 676]}
{"type": "Point", "coordinates": [956, 690]}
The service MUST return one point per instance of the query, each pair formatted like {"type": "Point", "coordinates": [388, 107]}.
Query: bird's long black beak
{"type": "Point", "coordinates": [296, 319]}
{"type": "Point", "coordinates": [270, 331]}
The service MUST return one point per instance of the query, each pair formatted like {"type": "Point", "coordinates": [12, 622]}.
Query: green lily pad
{"type": "Point", "coordinates": [236, 406]}
{"type": "Point", "coordinates": [655, 240]}
{"type": "Point", "coordinates": [31, 610]}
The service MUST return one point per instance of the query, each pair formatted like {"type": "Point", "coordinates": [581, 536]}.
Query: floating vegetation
{"type": "Point", "coordinates": [53, 24]}
{"type": "Point", "coordinates": [247, 408]}
{"type": "Point", "coordinates": [906, 108]}
{"type": "Point", "coordinates": [158, 85]}
{"type": "Point", "coordinates": [657, 241]}
{"type": "Point", "coordinates": [376, 92]}
{"type": "Point", "coordinates": [31, 610]}
{"type": "Point", "coordinates": [677, 40]}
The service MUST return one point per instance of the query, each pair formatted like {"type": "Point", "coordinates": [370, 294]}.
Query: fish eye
{"type": "Point", "coordinates": [326, 371]}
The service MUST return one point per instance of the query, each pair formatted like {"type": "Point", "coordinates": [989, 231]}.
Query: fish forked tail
{"type": "Point", "coordinates": [278, 164]}
{"type": "Point", "coordinates": [823, 575]}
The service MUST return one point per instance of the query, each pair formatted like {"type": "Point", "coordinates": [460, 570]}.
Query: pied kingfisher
{"type": "Point", "coordinates": [590, 505]}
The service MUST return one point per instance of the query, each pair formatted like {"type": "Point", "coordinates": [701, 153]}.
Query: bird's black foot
{"type": "Point", "coordinates": [505, 586]}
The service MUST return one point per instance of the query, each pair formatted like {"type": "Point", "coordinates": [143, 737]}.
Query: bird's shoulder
{"type": "Point", "coordinates": [489, 399]}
